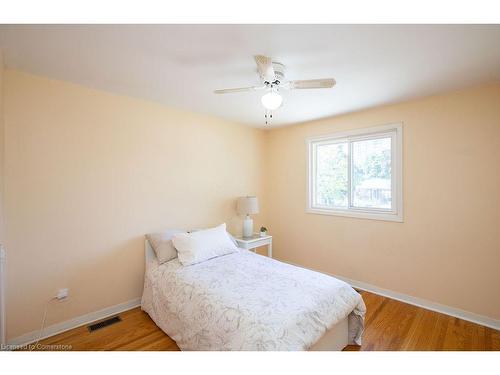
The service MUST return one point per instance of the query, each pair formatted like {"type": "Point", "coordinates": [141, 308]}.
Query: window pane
{"type": "Point", "coordinates": [371, 173]}
{"type": "Point", "coordinates": [331, 175]}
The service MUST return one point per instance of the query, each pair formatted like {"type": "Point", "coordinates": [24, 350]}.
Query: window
{"type": "Point", "coordinates": [357, 173]}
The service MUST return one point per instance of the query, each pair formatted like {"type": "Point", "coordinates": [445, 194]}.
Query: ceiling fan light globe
{"type": "Point", "coordinates": [272, 100]}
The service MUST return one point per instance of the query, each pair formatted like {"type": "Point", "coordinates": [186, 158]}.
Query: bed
{"type": "Point", "coordinates": [245, 301]}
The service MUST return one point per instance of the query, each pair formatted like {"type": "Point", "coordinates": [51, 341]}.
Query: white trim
{"type": "Point", "coordinates": [416, 301]}
{"type": "Point", "coordinates": [79, 321]}
{"type": "Point", "coordinates": [396, 134]}
{"type": "Point", "coordinates": [353, 213]}
{"type": "Point", "coordinates": [355, 132]}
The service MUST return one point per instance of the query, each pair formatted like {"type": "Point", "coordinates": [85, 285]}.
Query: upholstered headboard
{"type": "Point", "coordinates": [149, 252]}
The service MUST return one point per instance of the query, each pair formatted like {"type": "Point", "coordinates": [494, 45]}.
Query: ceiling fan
{"type": "Point", "coordinates": [272, 74]}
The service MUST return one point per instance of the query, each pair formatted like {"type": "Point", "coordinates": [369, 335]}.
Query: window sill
{"type": "Point", "coordinates": [358, 214]}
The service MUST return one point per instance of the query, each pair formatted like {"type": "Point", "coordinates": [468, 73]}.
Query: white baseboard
{"type": "Point", "coordinates": [420, 302]}
{"type": "Point", "coordinates": [81, 320]}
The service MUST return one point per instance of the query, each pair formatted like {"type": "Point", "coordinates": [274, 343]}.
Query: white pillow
{"type": "Point", "coordinates": [202, 245]}
{"type": "Point", "coordinates": [233, 240]}
{"type": "Point", "coordinates": [231, 237]}
{"type": "Point", "coordinates": [162, 244]}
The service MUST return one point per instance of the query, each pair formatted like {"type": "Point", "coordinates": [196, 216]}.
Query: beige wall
{"type": "Point", "coordinates": [448, 248]}
{"type": "Point", "coordinates": [2, 286]}
{"type": "Point", "coordinates": [1, 149]}
{"type": "Point", "coordinates": [89, 173]}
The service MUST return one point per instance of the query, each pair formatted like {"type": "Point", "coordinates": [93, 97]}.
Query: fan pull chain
{"type": "Point", "coordinates": [268, 115]}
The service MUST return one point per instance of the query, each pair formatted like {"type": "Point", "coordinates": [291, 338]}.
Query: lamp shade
{"type": "Point", "coordinates": [248, 205]}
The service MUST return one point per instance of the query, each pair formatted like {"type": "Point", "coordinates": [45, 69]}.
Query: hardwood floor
{"type": "Point", "coordinates": [136, 331]}
{"type": "Point", "coordinates": [394, 325]}
{"type": "Point", "coordinates": [389, 325]}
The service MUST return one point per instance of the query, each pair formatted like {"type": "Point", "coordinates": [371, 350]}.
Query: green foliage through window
{"type": "Point", "coordinates": [370, 174]}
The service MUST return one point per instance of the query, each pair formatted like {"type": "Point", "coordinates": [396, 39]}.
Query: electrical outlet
{"type": "Point", "coordinates": [62, 294]}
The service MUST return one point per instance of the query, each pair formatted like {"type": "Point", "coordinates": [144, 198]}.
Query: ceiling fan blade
{"type": "Point", "coordinates": [324, 83]}
{"type": "Point", "coordinates": [265, 67]}
{"type": "Point", "coordinates": [239, 89]}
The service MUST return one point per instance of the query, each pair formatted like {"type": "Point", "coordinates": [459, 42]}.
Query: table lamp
{"type": "Point", "coordinates": [248, 206]}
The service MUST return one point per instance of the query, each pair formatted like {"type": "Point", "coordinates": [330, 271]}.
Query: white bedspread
{"type": "Point", "coordinates": [244, 301]}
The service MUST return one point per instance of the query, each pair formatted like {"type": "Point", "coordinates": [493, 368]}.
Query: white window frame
{"type": "Point", "coordinates": [395, 131]}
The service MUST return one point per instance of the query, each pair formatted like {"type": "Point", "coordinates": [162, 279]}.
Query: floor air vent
{"type": "Point", "coordinates": [104, 323]}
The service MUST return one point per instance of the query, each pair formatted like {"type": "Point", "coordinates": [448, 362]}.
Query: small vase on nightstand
{"type": "Point", "coordinates": [263, 231]}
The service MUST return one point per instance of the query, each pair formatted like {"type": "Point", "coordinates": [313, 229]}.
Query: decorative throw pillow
{"type": "Point", "coordinates": [202, 245]}
{"type": "Point", "coordinates": [162, 244]}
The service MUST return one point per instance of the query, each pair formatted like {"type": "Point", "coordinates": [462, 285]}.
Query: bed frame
{"type": "Point", "coordinates": [335, 339]}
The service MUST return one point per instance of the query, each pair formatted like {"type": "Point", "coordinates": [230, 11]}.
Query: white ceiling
{"type": "Point", "coordinates": [181, 65]}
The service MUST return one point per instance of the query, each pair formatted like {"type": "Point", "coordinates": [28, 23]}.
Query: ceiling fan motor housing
{"type": "Point", "coordinates": [279, 71]}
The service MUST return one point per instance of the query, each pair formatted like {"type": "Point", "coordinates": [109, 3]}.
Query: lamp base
{"type": "Point", "coordinates": [248, 227]}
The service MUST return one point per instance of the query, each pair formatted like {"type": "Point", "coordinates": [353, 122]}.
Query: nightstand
{"type": "Point", "coordinates": [251, 243]}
